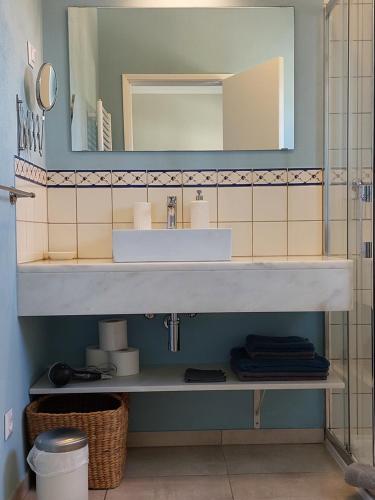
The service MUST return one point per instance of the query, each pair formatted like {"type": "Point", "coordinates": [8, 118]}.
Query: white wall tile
{"type": "Point", "coordinates": [31, 209]}
{"type": "Point", "coordinates": [305, 203]}
{"type": "Point", "coordinates": [123, 225]}
{"type": "Point", "coordinates": [209, 194]}
{"type": "Point", "coordinates": [337, 204]}
{"type": "Point", "coordinates": [94, 205]}
{"type": "Point", "coordinates": [94, 241]}
{"type": "Point", "coordinates": [123, 202]}
{"type": "Point", "coordinates": [361, 131]}
{"type": "Point", "coordinates": [305, 238]}
{"type": "Point", "coordinates": [269, 238]}
{"type": "Point", "coordinates": [361, 95]}
{"type": "Point", "coordinates": [235, 204]}
{"type": "Point", "coordinates": [241, 238]}
{"type": "Point", "coordinates": [337, 131]}
{"type": "Point", "coordinates": [361, 19]}
{"type": "Point", "coordinates": [361, 58]}
{"type": "Point", "coordinates": [62, 238]}
{"type": "Point", "coordinates": [21, 242]}
{"type": "Point", "coordinates": [62, 205]}
{"type": "Point", "coordinates": [270, 203]}
{"type": "Point", "coordinates": [158, 196]}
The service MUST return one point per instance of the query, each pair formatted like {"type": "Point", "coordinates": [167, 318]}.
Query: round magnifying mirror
{"type": "Point", "coordinates": [46, 87]}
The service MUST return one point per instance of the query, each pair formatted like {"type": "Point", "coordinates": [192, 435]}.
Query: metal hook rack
{"type": "Point", "coordinates": [29, 129]}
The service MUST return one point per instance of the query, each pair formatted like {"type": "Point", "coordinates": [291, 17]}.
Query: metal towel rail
{"type": "Point", "coordinates": [15, 193]}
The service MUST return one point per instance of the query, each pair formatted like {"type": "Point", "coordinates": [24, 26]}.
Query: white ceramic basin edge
{"type": "Point", "coordinates": [172, 245]}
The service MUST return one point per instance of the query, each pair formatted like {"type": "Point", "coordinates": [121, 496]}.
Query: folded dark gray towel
{"type": "Point", "coordinates": [242, 363]}
{"type": "Point", "coordinates": [192, 375]}
{"type": "Point", "coordinates": [268, 343]}
{"type": "Point", "coordinates": [281, 355]}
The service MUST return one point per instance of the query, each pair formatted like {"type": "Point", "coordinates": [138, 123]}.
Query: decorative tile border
{"type": "Point", "coordinates": [338, 176]}
{"type": "Point", "coordinates": [270, 177]}
{"type": "Point", "coordinates": [29, 171]}
{"type": "Point", "coordinates": [199, 178]}
{"type": "Point", "coordinates": [235, 178]}
{"type": "Point", "coordinates": [61, 178]}
{"type": "Point", "coordinates": [93, 178]}
{"type": "Point", "coordinates": [164, 178]}
{"type": "Point", "coordinates": [177, 178]}
{"type": "Point", "coordinates": [308, 176]}
{"type": "Point", "coordinates": [129, 178]}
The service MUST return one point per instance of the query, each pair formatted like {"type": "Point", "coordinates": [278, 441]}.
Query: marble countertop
{"type": "Point", "coordinates": [86, 287]}
{"type": "Point", "coordinates": [237, 263]}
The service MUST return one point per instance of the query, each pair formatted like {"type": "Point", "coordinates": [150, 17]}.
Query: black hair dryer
{"type": "Point", "coordinates": [61, 374]}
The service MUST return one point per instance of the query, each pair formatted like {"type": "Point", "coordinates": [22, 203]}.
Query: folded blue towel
{"type": "Point", "coordinates": [242, 362]}
{"type": "Point", "coordinates": [267, 343]}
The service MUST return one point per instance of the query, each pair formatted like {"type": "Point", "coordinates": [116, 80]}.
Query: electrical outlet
{"type": "Point", "coordinates": [31, 54]}
{"type": "Point", "coordinates": [8, 424]}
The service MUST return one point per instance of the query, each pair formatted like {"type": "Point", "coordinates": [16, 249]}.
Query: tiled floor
{"type": "Point", "coordinates": [254, 472]}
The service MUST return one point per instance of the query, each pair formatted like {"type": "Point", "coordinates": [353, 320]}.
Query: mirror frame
{"type": "Point", "coordinates": [37, 90]}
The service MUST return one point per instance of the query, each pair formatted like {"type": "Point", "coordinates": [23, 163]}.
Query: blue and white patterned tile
{"type": "Point", "coordinates": [305, 176]}
{"type": "Point", "coordinates": [270, 177]}
{"type": "Point", "coordinates": [164, 178]}
{"type": "Point", "coordinates": [30, 172]}
{"type": "Point", "coordinates": [129, 178]}
{"type": "Point", "coordinates": [61, 178]}
{"type": "Point", "coordinates": [337, 176]}
{"type": "Point", "coordinates": [366, 175]}
{"type": "Point", "coordinates": [201, 178]}
{"type": "Point", "coordinates": [235, 177]}
{"type": "Point", "coordinates": [93, 178]}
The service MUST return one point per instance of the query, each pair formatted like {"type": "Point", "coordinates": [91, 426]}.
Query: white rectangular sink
{"type": "Point", "coordinates": [172, 245]}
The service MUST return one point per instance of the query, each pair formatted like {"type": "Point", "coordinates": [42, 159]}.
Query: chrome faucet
{"type": "Point", "coordinates": [172, 212]}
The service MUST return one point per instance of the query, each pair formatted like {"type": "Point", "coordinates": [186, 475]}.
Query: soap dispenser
{"type": "Point", "coordinates": [199, 212]}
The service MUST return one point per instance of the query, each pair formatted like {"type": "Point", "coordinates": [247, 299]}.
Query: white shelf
{"type": "Point", "coordinates": [171, 379]}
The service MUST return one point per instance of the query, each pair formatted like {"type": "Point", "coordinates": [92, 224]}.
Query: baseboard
{"type": "Point", "coordinates": [22, 489]}
{"type": "Point", "coordinates": [225, 437]}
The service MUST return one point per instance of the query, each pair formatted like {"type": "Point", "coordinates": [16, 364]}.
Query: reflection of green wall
{"type": "Point", "coordinates": [191, 41]}
{"type": "Point", "coordinates": [177, 122]}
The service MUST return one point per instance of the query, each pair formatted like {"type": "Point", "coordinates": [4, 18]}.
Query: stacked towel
{"type": "Point", "coordinates": [193, 375]}
{"type": "Point", "coordinates": [267, 347]}
{"type": "Point", "coordinates": [278, 358]}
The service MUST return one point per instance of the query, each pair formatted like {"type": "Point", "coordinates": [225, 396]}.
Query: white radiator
{"type": "Point", "coordinates": [104, 127]}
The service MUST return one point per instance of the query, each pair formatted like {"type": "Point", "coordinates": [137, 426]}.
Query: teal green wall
{"type": "Point", "coordinates": [23, 343]}
{"type": "Point", "coordinates": [191, 41]}
{"type": "Point", "coordinates": [308, 102]}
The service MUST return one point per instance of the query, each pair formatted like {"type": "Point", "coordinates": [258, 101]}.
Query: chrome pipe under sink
{"type": "Point", "coordinates": [172, 323]}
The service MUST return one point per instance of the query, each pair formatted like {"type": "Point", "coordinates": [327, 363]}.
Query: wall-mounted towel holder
{"type": "Point", "coordinates": [15, 193]}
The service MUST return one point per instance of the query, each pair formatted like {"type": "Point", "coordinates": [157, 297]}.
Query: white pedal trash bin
{"type": "Point", "coordinates": [60, 460]}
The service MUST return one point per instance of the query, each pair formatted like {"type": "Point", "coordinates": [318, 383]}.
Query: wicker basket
{"type": "Point", "coordinates": [103, 417]}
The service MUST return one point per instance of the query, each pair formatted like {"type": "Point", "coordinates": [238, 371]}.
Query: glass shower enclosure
{"type": "Point", "coordinates": [349, 144]}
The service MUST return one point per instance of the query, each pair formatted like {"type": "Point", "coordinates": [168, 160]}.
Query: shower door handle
{"type": "Point", "coordinates": [363, 191]}
{"type": "Point", "coordinates": [366, 249]}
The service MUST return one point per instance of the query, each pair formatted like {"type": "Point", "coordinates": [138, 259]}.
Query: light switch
{"type": "Point", "coordinates": [31, 54]}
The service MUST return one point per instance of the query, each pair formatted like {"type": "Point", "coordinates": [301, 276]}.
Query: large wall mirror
{"type": "Point", "coordinates": [181, 79]}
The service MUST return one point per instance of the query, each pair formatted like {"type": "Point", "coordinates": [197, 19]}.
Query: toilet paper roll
{"type": "Point", "coordinates": [113, 334]}
{"type": "Point", "coordinates": [126, 361]}
{"type": "Point", "coordinates": [96, 356]}
{"type": "Point", "coordinates": [142, 215]}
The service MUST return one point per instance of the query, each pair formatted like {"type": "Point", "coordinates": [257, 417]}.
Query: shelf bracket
{"type": "Point", "coordinates": [258, 397]}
